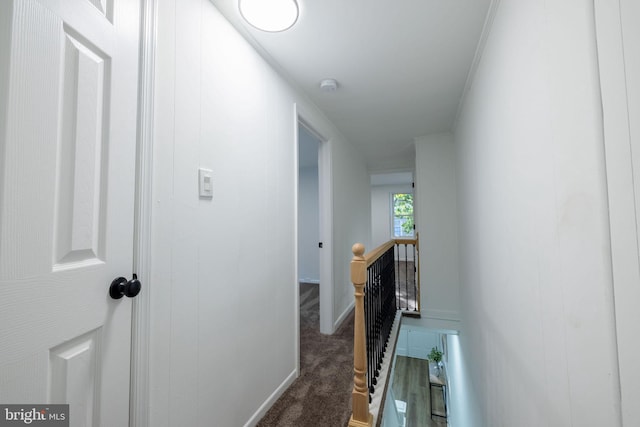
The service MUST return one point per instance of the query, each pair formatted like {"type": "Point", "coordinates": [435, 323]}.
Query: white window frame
{"type": "Point", "coordinates": [393, 217]}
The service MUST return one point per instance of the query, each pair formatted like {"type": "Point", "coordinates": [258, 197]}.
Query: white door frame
{"type": "Point", "coordinates": [139, 392]}
{"type": "Point", "coordinates": [325, 199]}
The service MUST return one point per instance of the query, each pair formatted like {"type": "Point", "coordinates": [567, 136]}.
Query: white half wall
{"type": "Point", "coordinates": [538, 329]}
{"type": "Point", "coordinates": [223, 294]}
{"type": "Point", "coordinates": [436, 221]}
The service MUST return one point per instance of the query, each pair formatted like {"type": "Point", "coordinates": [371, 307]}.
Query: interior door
{"type": "Point", "coordinates": [68, 107]}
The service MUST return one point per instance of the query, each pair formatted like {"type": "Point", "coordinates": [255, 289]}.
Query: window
{"type": "Point", "coordinates": [403, 215]}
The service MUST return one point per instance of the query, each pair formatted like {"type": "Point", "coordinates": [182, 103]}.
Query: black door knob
{"type": "Point", "coordinates": [122, 287]}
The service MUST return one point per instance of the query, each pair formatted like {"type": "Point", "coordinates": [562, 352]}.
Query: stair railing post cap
{"type": "Point", "coordinates": [358, 249]}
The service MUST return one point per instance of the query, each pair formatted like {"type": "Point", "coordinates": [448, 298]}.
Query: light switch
{"type": "Point", "coordinates": [205, 182]}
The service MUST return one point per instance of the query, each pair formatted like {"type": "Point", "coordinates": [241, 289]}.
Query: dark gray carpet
{"type": "Point", "coordinates": [321, 396]}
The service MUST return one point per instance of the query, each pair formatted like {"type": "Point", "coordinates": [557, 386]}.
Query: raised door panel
{"type": "Point", "coordinates": [82, 155]}
{"type": "Point", "coordinates": [74, 377]}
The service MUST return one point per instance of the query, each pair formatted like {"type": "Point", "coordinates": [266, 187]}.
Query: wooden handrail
{"type": "Point", "coordinates": [405, 241]}
{"type": "Point", "coordinates": [372, 256]}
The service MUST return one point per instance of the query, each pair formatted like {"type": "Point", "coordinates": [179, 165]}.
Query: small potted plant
{"type": "Point", "coordinates": [435, 356]}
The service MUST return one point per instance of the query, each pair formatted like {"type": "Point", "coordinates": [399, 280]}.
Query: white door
{"type": "Point", "coordinates": [68, 105]}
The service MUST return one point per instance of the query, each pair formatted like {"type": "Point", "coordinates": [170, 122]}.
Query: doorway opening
{"type": "Point", "coordinates": [314, 278]}
{"type": "Point", "coordinates": [309, 241]}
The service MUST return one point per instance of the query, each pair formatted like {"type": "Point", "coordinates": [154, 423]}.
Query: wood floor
{"type": "Point", "coordinates": [411, 385]}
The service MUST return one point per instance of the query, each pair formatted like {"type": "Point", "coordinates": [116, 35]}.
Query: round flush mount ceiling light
{"type": "Point", "coordinates": [269, 15]}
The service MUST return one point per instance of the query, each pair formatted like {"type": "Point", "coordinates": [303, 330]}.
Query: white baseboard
{"type": "Point", "coordinates": [343, 316]}
{"type": "Point", "coordinates": [441, 314]}
{"type": "Point", "coordinates": [262, 410]}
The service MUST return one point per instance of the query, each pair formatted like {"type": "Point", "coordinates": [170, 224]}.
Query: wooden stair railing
{"type": "Point", "coordinates": [361, 277]}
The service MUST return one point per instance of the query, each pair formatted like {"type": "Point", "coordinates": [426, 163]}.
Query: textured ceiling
{"type": "Point", "coordinates": [401, 66]}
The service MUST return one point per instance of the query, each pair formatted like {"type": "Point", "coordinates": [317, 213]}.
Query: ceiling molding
{"type": "Point", "coordinates": [484, 35]}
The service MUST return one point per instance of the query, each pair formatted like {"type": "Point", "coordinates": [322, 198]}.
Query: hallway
{"type": "Point", "coordinates": [321, 395]}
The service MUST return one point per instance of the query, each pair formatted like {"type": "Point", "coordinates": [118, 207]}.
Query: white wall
{"type": "Point", "coordinates": [308, 226]}
{"type": "Point", "coordinates": [436, 221]}
{"type": "Point", "coordinates": [416, 341]}
{"type": "Point", "coordinates": [618, 38]}
{"type": "Point", "coordinates": [223, 289]}
{"type": "Point", "coordinates": [462, 412]}
{"type": "Point", "coordinates": [352, 219]}
{"type": "Point", "coordinates": [381, 211]}
{"type": "Point", "coordinates": [536, 290]}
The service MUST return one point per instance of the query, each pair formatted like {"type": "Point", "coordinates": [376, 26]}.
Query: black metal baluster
{"type": "Point", "coordinates": [367, 298]}
{"type": "Point", "coordinates": [394, 290]}
{"type": "Point", "coordinates": [376, 355]}
{"type": "Point", "coordinates": [381, 302]}
{"type": "Point", "coordinates": [372, 329]}
{"type": "Point", "coordinates": [415, 287]}
{"type": "Point", "coordinates": [369, 328]}
{"type": "Point", "coordinates": [397, 276]}
{"type": "Point", "coordinates": [374, 325]}
{"type": "Point", "coordinates": [381, 285]}
{"type": "Point", "coordinates": [406, 278]}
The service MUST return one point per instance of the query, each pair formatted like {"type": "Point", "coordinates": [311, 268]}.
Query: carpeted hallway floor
{"type": "Point", "coordinates": [321, 396]}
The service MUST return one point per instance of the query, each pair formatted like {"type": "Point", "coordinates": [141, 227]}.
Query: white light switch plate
{"type": "Point", "coordinates": [205, 182]}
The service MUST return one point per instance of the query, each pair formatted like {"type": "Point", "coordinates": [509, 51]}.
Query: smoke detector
{"type": "Point", "coordinates": [329, 85]}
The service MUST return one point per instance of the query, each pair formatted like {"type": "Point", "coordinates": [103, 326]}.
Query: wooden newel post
{"type": "Point", "coordinates": [360, 417]}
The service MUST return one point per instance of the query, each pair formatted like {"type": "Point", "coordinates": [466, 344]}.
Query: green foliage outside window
{"type": "Point", "coordinates": [403, 210]}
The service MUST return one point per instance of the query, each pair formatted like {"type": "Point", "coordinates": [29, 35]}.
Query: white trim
{"type": "Point", "coordinates": [622, 196]}
{"type": "Point", "coordinates": [139, 398]}
{"type": "Point", "coordinates": [309, 128]}
{"type": "Point", "coordinates": [344, 315]}
{"type": "Point", "coordinates": [325, 191]}
{"type": "Point", "coordinates": [296, 272]}
{"type": "Point", "coordinates": [482, 42]}
{"type": "Point", "coordinates": [262, 410]}
{"type": "Point", "coordinates": [441, 315]}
